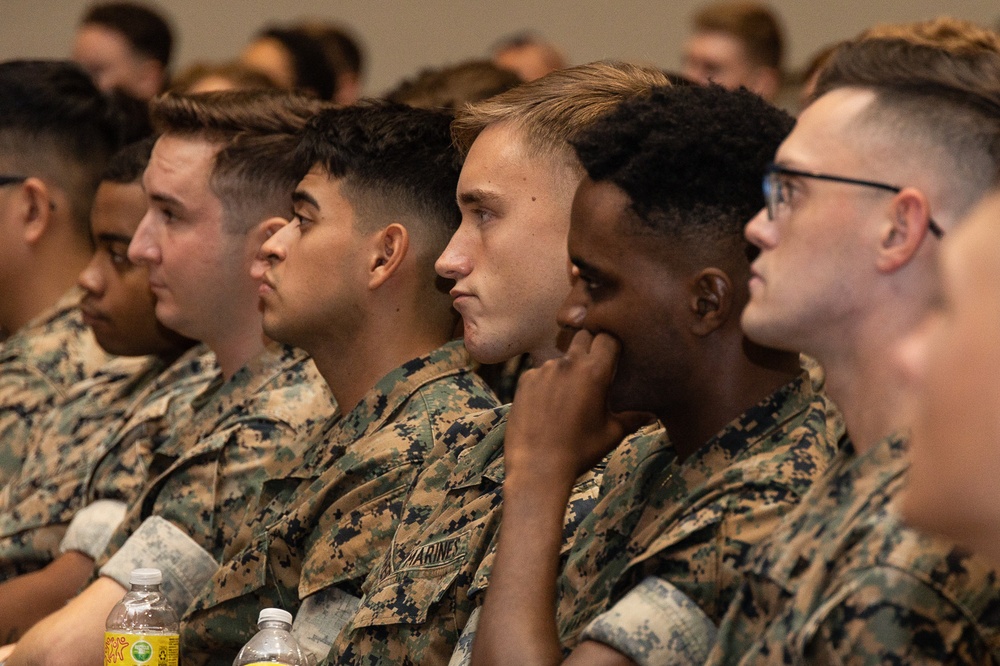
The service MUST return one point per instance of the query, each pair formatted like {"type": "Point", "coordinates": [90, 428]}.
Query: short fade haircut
{"type": "Point", "coordinates": [551, 111]}
{"type": "Point", "coordinates": [128, 164]}
{"type": "Point", "coordinates": [690, 159]}
{"type": "Point", "coordinates": [937, 91]}
{"type": "Point", "coordinates": [54, 123]}
{"type": "Point", "coordinates": [755, 25]}
{"type": "Point", "coordinates": [145, 30]}
{"type": "Point", "coordinates": [253, 174]}
{"type": "Point", "coordinates": [451, 88]}
{"type": "Point", "coordinates": [394, 161]}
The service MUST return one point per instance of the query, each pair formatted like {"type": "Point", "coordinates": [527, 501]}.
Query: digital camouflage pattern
{"type": "Point", "coordinates": [28, 540]}
{"type": "Point", "coordinates": [333, 516]}
{"type": "Point", "coordinates": [436, 570]}
{"type": "Point", "coordinates": [692, 523]}
{"type": "Point", "coordinates": [102, 439]}
{"type": "Point", "coordinates": [39, 364]}
{"type": "Point", "coordinates": [241, 432]}
{"type": "Point", "coordinates": [842, 581]}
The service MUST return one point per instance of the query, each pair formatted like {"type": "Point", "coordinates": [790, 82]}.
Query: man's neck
{"type": "Point", "coordinates": [236, 347]}
{"type": "Point", "coordinates": [41, 290]}
{"type": "Point", "coordinates": [865, 388]}
{"type": "Point", "coordinates": [352, 369]}
{"type": "Point", "coordinates": [734, 376]}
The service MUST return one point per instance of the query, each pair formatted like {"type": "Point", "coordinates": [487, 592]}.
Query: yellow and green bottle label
{"type": "Point", "coordinates": [121, 649]}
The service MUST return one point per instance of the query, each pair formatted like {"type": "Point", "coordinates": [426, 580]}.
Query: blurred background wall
{"type": "Point", "coordinates": [402, 36]}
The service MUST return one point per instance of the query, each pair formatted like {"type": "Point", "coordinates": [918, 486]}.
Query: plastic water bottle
{"type": "Point", "coordinates": [142, 629]}
{"type": "Point", "coordinates": [273, 645]}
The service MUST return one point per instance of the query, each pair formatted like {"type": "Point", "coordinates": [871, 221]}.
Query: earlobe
{"type": "Point", "coordinates": [391, 246]}
{"type": "Point", "coordinates": [711, 300]}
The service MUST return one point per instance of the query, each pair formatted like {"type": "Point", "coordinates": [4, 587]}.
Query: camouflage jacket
{"type": "Point", "coordinates": [693, 523]}
{"type": "Point", "coordinates": [333, 516]}
{"type": "Point", "coordinates": [57, 450]}
{"type": "Point", "coordinates": [39, 364]}
{"type": "Point", "coordinates": [209, 472]}
{"type": "Point", "coordinates": [841, 581]}
{"type": "Point", "coordinates": [435, 571]}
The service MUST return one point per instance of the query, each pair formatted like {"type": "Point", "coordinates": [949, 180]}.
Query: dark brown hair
{"type": "Point", "coordinates": [256, 131]}
{"type": "Point", "coordinates": [756, 26]}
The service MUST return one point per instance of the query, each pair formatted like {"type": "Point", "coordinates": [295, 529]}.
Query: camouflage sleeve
{"type": "Point", "coordinates": [321, 617]}
{"type": "Point", "coordinates": [887, 615]}
{"type": "Point", "coordinates": [655, 624]}
{"type": "Point", "coordinates": [462, 656]}
{"type": "Point", "coordinates": [186, 566]}
{"type": "Point", "coordinates": [92, 527]}
{"type": "Point", "coordinates": [24, 398]}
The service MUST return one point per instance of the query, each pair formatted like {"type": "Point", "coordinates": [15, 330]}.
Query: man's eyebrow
{"type": "Point", "coordinates": [165, 199]}
{"type": "Point", "coordinates": [583, 265]}
{"type": "Point", "coordinates": [478, 196]}
{"type": "Point", "coordinates": [108, 237]}
{"type": "Point", "coordinates": [301, 196]}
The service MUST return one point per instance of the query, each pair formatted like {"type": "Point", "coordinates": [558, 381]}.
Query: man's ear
{"type": "Point", "coordinates": [391, 246]}
{"type": "Point", "coordinates": [36, 209]}
{"type": "Point", "coordinates": [711, 300]}
{"type": "Point", "coordinates": [903, 230]}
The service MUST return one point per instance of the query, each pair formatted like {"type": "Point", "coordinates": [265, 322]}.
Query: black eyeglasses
{"type": "Point", "coordinates": [774, 194]}
{"type": "Point", "coordinates": [11, 180]}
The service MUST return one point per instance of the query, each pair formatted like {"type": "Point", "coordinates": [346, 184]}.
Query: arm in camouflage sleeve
{"type": "Point", "coordinates": [559, 427]}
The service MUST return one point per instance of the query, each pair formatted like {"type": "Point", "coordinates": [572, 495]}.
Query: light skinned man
{"type": "Point", "coordinates": [351, 280]}
{"type": "Point", "coordinates": [508, 260]}
{"type": "Point", "coordinates": [897, 148]}
{"type": "Point", "coordinates": [56, 134]}
{"type": "Point", "coordinates": [216, 186]}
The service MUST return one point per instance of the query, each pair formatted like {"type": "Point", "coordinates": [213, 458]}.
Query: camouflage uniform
{"type": "Point", "coordinates": [333, 516]}
{"type": "Point", "coordinates": [435, 572]}
{"type": "Point", "coordinates": [96, 431]}
{"type": "Point", "coordinates": [39, 364]}
{"type": "Point", "coordinates": [692, 523]}
{"type": "Point", "coordinates": [209, 473]}
{"type": "Point", "coordinates": [841, 581]}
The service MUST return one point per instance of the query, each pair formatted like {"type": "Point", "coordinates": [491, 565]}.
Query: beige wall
{"type": "Point", "coordinates": [404, 35]}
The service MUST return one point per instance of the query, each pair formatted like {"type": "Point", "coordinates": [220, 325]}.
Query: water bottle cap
{"type": "Point", "coordinates": [145, 577]}
{"type": "Point", "coordinates": [269, 614]}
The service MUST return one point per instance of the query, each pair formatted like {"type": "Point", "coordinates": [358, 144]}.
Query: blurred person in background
{"type": "Point", "coordinates": [125, 46]}
{"type": "Point", "coordinates": [736, 44]}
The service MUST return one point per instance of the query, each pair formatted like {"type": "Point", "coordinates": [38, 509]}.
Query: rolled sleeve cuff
{"type": "Point", "coordinates": [321, 617]}
{"type": "Point", "coordinates": [655, 624]}
{"type": "Point", "coordinates": [186, 566]}
{"type": "Point", "coordinates": [91, 528]}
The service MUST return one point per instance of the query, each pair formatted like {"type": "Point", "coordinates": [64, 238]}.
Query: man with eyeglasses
{"type": "Point", "coordinates": [56, 135]}
{"type": "Point", "coordinates": [901, 142]}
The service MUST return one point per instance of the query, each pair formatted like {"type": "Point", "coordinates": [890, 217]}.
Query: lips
{"type": "Point", "coordinates": [90, 315]}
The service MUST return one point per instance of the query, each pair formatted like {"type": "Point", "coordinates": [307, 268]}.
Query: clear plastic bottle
{"type": "Point", "coordinates": [142, 629]}
{"type": "Point", "coordinates": [273, 645]}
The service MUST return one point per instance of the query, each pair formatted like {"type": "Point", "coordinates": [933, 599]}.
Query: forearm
{"type": "Point", "coordinates": [73, 636]}
{"type": "Point", "coordinates": [29, 598]}
{"type": "Point", "coordinates": [518, 623]}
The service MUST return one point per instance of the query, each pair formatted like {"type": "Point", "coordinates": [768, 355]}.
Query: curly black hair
{"type": "Point", "coordinates": [393, 158]}
{"type": "Point", "coordinates": [690, 158]}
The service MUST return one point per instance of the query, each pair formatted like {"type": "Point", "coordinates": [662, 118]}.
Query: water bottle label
{"type": "Point", "coordinates": [121, 649]}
